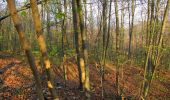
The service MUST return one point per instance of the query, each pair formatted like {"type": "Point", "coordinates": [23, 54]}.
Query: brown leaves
{"type": "Point", "coordinates": [18, 84]}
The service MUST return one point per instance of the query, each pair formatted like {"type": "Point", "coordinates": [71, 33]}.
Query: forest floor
{"type": "Point", "coordinates": [17, 83]}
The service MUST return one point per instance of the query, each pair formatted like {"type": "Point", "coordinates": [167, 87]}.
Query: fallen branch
{"type": "Point", "coordinates": [4, 69]}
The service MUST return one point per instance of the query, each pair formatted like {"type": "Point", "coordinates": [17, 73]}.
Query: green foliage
{"type": "Point", "coordinates": [36, 52]}
{"type": "Point", "coordinates": [55, 51]}
{"type": "Point", "coordinates": [165, 62]}
{"type": "Point", "coordinates": [1, 38]}
{"type": "Point", "coordinates": [122, 59]}
{"type": "Point", "coordinates": [59, 15]}
{"type": "Point", "coordinates": [23, 13]}
{"type": "Point", "coordinates": [139, 56]}
{"type": "Point", "coordinates": [70, 52]}
{"type": "Point", "coordinates": [160, 77]}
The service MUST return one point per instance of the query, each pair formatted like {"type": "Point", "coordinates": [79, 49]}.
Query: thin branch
{"type": "Point", "coordinates": [27, 6]}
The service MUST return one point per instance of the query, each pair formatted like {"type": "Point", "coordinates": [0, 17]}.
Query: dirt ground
{"type": "Point", "coordinates": [17, 83]}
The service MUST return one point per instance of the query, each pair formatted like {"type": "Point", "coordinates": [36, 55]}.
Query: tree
{"type": "Point", "coordinates": [84, 46]}
{"type": "Point", "coordinates": [104, 29]}
{"type": "Point", "coordinates": [42, 45]}
{"type": "Point", "coordinates": [78, 43]}
{"type": "Point", "coordinates": [153, 58]}
{"type": "Point", "coordinates": [25, 46]}
{"type": "Point", "coordinates": [148, 24]}
{"type": "Point", "coordinates": [64, 39]}
{"type": "Point", "coordinates": [122, 26]}
{"type": "Point", "coordinates": [131, 24]}
{"type": "Point", "coordinates": [117, 47]}
{"type": "Point", "coordinates": [49, 34]}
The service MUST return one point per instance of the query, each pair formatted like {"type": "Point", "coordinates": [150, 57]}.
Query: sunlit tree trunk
{"type": "Point", "coordinates": [78, 43]}
{"type": "Point", "coordinates": [84, 48]}
{"type": "Point", "coordinates": [42, 45]}
{"type": "Point", "coordinates": [25, 46]}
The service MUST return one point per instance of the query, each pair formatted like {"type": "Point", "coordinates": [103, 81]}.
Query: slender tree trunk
{"type": "Point", "coordinates": [42, 45]}
{"type": "Point", "coordinates": [122, 46]}
{"type": "Point", "coordinates": [149, 62]}
{"type": "Point", "coordinates": [108, 31]}
{"type": "Point", "coordinates": [148, 25]}
{"type": "Point", "coordinates": [160, 39]}
{"type": "Point", "coordinates": [158, 24]}
{"type": "Point", "coordinates": [59, 11]}
{"type": "Point", "coordinates": [103, 57]}
{"type": "Point", "coordinates": [129, 48]}
{"type": "Point", "coordinates": [122, 25]}
{"type": "Point", "coordinates": [78, 42]}
{"type": "Point", "coordinates": [0, 36]}
{"type": "Point", "coordinates": [131, 27]}
{"type": "Point", "coordinates": [26, 46]}
{"type": "Point", "coordinates": [84, 48]}
{"type": "Point", "coordinates": [64, 40]}
{"type": "Point", "coordinates": [49, 34]}
{"type": "Point", "coordinates": [104, 35]}
{"type": "Point", "coordinates": [117, 46]}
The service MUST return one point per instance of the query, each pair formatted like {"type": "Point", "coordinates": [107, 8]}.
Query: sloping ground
{"type": "Point", "coordinates": [16, 82]}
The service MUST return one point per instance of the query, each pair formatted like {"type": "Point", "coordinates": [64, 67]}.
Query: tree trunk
{"type": "Point", "coordinates": [131, 27]}
{"type": "Point", "coordinates": [122, 26]}
{"type": "Point", "coordinates": [42, 45]}
{"type": "Point", "coordinates": [151, 64]}
{"type": "Point", "coordinates": [117, 46]}
{"type": "Point", "coordinates": [26, 46]}
{"type": "Point", "coordinates": [78, 43]}
{"type": "Point", "coordinates": [148, 25]}
{"type": "Point", "coordinates": [64, 40]}
{"type": "Point", "coordinates": [84, 48]}
{"type": "Point", "coordinates": [49, 34]}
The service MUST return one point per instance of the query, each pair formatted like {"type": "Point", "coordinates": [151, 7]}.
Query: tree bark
{"type": "Point", "coordinates": [151, 64]}
{"type": "Point", "coordinates": [117, 47]}
{"type": "Point", "coordinates": [78, 43]}
{"type": "Point", "coordinates": [25, 46]}
{"type": "Point", "coordinates": [131, 27]}
{"type": "Point", "coordinates": [42, 45]}
{"type": "Point", "coordinates": [84, 48]}
{"type": "Point", "coordinates": [64, 40]}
